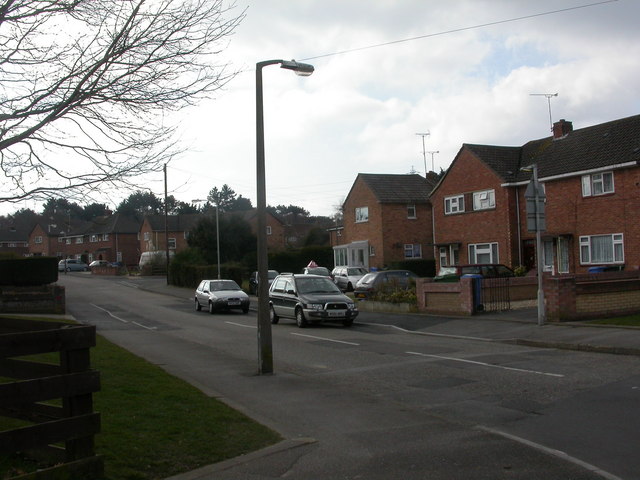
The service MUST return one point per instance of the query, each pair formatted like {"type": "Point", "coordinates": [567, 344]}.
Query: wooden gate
{"type": "Point", "coordinates": [46, 406]}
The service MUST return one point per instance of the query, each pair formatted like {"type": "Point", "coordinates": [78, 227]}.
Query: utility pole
{"type": "Point", "coordinates": [424, 151]}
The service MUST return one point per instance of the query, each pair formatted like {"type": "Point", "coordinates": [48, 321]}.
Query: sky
{"type": "Point", "coordinates": [462, 71]}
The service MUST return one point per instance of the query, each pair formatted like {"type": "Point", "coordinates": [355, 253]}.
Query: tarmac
{"type": "Point", "coordinates": [518, 326]}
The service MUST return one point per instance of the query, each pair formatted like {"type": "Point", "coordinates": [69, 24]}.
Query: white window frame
{"type": "Point", "coordinates": [372, 251]}
{"type": "Point", "coordinates": [38, 239]}
{"type": "Point", "coordinates": [597, 184]}
{"type": "Point", "coordinates": [93, 238]}
{"type": "Point", "coordinates": [362, 214]}
{"type": "Point", "coordinates": [443, 256]}
{"type": "Point", "coordinates": [411, 212]}
{"type": "Point", "coordinates": [587, 253]}
{"type": "Point", "coordinates": [146, 236]}
{"type": "Point", "coordinates": [172, 243]}
{"type": "Point", "coordinates": [484, 200]}
{"type": "Point", "coordinates": [269, 231]}
{"type": "Point", "coordinates": [105, 237]}
{"type": "Point", "coordinates": [488, 248]}
{"type": "Point", "coordinates": [453, 204]}
{"type": "Point", "coordinates": [79, 240]}
{"type": "Point", "coordinates": [412, 250]}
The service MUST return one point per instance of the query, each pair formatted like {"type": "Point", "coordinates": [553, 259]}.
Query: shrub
{"type": "Point", "coordinates": [28, 271]}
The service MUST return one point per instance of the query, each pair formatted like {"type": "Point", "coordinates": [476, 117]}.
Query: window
{"type": "Point", "coordinates": [454, 204]}
{"type": "Point", "coordinates": [484, 199]}
{"type": "Point", "coordinates": [268, 229]}
{"type": "Point", "coordinates": [93, 238]}
{"type": "Point", "coordinates": [597, 184]}
{"type": "Point", "coordinates": [602, 249]}
{"type": "Point", "coordinates": [411, 211]}
{"type": "Point", "coordinates": [362, 214]}
{"type": "Point", "coordinates": [68, 241]}
{"type": "Point", "coordinates": [38, 239]}
{"type": "Point", "coordinates": [372, 251]}
{"type": "Point", "coordinates": [483, 253]}
{"type": "Point", "coordinates": [78, 239]}
{"type": "Point", "coordinates": [547, 257]}
{"type": "Point", "coordinates": [147, 236]}
{"type": "Point", "coordinates": [172, 243]}
{"type": "Point", "coordinates": [105, 237]}
{"type": "Point", "coordinates": [412, 250]}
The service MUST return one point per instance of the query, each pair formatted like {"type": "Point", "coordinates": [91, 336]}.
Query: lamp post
{"type": "Point", "coordinates": [265, 347]}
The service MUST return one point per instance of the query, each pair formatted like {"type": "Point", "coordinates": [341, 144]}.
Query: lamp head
{"type": "Point", "coordinates": [302, 69]}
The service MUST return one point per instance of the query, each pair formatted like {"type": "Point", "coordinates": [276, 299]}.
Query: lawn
{"type": "Point", "coordinates": [155, 425]}
{"type": "Point", "coordinates": [626, 321]}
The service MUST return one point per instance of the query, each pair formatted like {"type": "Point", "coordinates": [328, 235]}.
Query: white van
{"type": "Point", "coordinates": [156, 256]}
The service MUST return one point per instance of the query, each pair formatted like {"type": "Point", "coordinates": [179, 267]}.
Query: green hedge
{"type": "Point", "coordinates": [28, 271]}
{"type": "Point", "coordinates": [189, 275]}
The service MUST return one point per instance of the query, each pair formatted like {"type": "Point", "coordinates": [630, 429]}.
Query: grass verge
{"type": "Point", "coordinates": [155, 425]}
{"type": "Point", "coordinates": [626, 321]}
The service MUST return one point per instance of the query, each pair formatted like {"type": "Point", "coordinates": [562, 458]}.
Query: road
{"type": "Point", "coordinates": [380, 402]}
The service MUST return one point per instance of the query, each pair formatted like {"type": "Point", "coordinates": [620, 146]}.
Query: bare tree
{"type": "Point", "coordinates": [86, 87]}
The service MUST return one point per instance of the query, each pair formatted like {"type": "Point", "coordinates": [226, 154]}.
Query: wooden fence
{"type": "Point", "coordinates": [51, 402]}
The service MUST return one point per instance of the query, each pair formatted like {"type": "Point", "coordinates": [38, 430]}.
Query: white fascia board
{"type": "Point", "coordinates": [574, 174]}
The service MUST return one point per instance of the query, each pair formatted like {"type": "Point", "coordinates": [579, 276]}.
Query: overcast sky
{"type": "Point", "coordinates": [465, 76]}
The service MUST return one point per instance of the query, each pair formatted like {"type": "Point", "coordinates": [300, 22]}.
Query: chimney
{"type": "Point", "coordinates": [562, 129]}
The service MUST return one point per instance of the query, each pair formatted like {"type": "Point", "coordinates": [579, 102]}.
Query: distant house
{"type": "Point", "coordinates": [14, 237]}
{"type": "Point", "coordinates": [387, 218]}
{"type": "Point", "coordinates": [591, 178]}
{"type": "Point", "coordinates": [156, 229]}
{"type": "Point", "coordinates": [276, 235]}
{"type": "Point", "coordinates": [113, 238]}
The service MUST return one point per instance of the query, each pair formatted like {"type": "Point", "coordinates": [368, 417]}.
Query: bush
{"type": "Point", "coordinates": [28, 271]}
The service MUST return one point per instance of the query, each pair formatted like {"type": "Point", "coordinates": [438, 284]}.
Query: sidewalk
{"type": "Point", "coordinates": [514, 326]}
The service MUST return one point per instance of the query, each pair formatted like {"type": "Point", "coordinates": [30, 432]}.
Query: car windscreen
{"type": "Point", "coordinates": [356, 271]}
{"type": "Point", "coordinates": [368, 278]}
{"type": "Point", "coordinates": [316, 285]}
{"type": "Point", "coordinates": [218, 285]}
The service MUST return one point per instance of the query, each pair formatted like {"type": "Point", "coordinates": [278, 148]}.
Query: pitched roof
{"type": "Point", "coordinates": [389, 188]}
{"type": "Point", "coordinates": [175, 223]}
{"type": "Point", "coordinates": [599, 146]}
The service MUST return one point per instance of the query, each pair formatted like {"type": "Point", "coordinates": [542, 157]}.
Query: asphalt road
{"type": "Point", "coordinates": [377, 402]}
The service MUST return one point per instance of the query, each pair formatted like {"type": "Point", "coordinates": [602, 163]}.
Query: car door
{"type": "Point", "coordinates": [276, 296]}
{"type": "Point", "coordinates": [202, 298]}
{"type": "Point", "coordinates": [289, 299]}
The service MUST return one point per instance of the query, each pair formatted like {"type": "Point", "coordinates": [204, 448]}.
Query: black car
{"type": "Point", "coordinates": [309, 299]}
{"type": "Point", "coordinates": [383, 280]}
{"type": "Point", "coordinates": [253, 280]}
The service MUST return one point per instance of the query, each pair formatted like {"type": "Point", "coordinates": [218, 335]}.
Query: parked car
{"type": "Point", "coordinates": [374, 282]}
{"type": "Point", "coordinates": [253, 280]}
{"type": "Point", "coordinates": [488, 270]}
{"type": "Point", "coordinates": [99, 263]}
{"type": "Point", "coordinates": [308, 299]}
{"type": "Point", "coordinates": [322, 271]}
{"type": "Point", "coordinates": [346, 277]}
{"type": "Point", "coordinates": [72, 265]}
{"type": "Point", "coordinates": [221, 295]}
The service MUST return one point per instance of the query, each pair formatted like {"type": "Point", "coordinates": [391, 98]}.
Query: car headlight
{"type": "Point", "coordinates": [315, 306]}
{"type": "Point", "coordinates": [352, 306]}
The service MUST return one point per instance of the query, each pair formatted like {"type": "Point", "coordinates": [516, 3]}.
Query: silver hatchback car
{"type": "Point", "coordinates": [221, 295]}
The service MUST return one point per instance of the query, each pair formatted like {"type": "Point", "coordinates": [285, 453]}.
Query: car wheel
{"type": "Point", "coordinates": [211, 308]}
{"type": "Point", "coordinates": [300, 320]}
{"type": "Point", "coordinates": [349, 287]}
{"type": "Point", "coordinates": [198, 306]}
{"type": "Point", "coordinates": [348, 322]}
{"type": "Point", "coordinates": [245, 309]}
{"type": "Point", "coordinates": [68, 269]}
{"type": "Point", "coordinates": [273, 316]}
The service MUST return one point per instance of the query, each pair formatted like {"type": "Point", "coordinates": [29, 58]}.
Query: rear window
{"type": "Point", "coordinates": [368, 278]}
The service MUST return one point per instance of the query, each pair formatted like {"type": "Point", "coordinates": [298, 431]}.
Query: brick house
{"type": "Point", "coordinates": [591, 179]}
{"type": "Point", "coordinates": [152, 232]}
{"type": "Point", "coordinates": [113, 238]}
{"type": "Point", "coordinates": [276, 232]}
{"type": "Point", "coordinates": [387, 218]}
{"type": "Point", "coordinates": [14, 237]}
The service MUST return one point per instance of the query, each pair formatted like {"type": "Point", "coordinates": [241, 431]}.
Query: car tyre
{"type": "Point", "coordinates": [349, 287]}
{"type": "Point", "coordinates": [198, 306]}
{"type": "Point", "coordinates": [273, 316]}
{"type": "Point", "coordinates": [300, 320]}
{"type": "Point", "coordinates": [212, 310]}
{"type": "Point", "coordinates": [245, 309]}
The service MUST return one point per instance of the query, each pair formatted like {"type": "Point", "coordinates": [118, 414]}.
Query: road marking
{"type": "Point", "coordinates": [121, 319]}
{"type": "Point", "coordinates": [241, 325]}
{"type": "Point", "coordinates": [483, 364]}
{"type": "Point", "coordinates": [325, 339]}
{"type": "Point", "coordinates": [552, 451]}
{"type": "Point", "coordinates": [129, 284]}
{"type": "Point", "coordinates": [430, 334]}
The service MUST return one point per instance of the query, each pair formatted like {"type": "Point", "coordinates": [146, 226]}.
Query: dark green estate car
{"type": "Point", "coordinates": [309, 299]}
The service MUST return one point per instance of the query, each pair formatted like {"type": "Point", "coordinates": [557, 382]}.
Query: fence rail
{"type": "Point", "coordinates": [50, 400]}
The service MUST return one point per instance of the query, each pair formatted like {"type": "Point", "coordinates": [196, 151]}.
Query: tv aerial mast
{"type": "Point", "coordinates": [548, 95]}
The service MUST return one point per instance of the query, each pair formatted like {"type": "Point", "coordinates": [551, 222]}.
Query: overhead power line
{"type": "Point", "coordinates": [455, 30]}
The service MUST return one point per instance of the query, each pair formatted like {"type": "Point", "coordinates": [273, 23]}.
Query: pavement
{"type": "Point", "coordinates": [513, 327]}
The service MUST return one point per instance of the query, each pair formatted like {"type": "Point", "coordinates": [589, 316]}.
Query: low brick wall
{"type": "Point", "coordinates": [37, 299]}
{"type": "Point", "coordinates": [583, 297]}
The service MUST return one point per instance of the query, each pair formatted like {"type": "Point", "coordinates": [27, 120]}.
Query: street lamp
{"type": "Point", "coordinates": [265, 347]}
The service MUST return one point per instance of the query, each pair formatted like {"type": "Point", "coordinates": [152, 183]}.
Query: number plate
{"type": "Point", "coordinates": [233, 302]}
{"type": "Point", "coordinates": [337, 313]}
